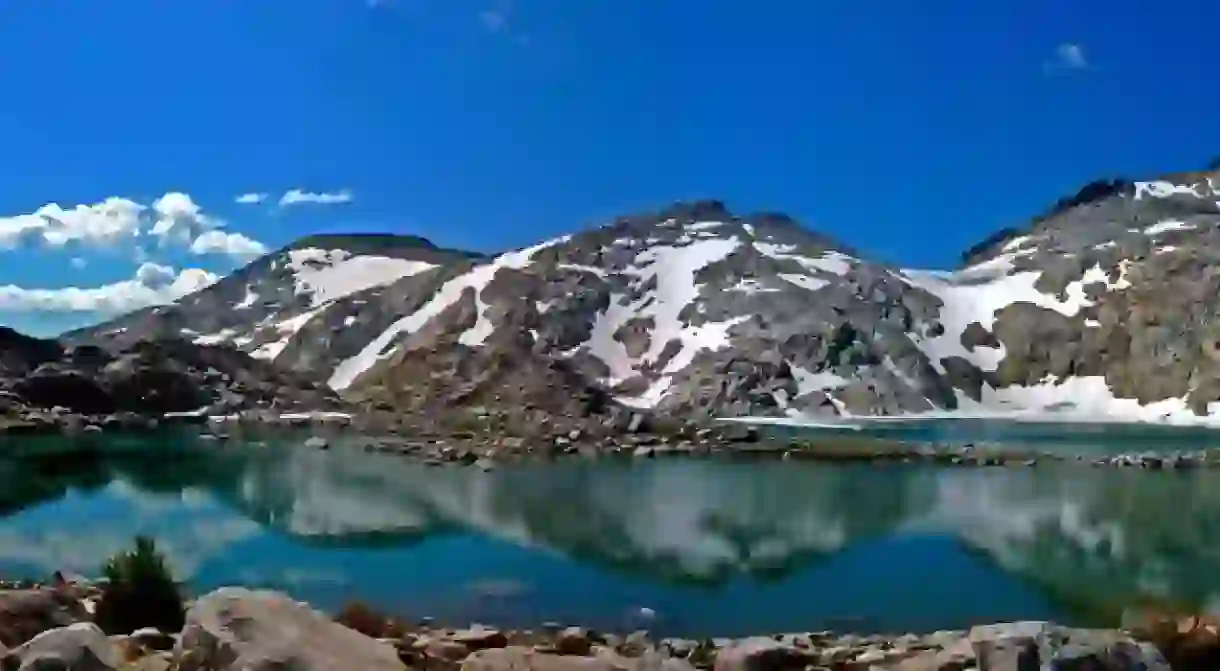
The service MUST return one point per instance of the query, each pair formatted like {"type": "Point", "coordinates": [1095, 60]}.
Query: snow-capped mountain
{"type": "Point", "coordinates": [1102, 308]}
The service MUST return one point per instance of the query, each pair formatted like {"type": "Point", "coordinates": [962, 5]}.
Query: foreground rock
{"type": "Point", "coordinates": [236, 629]}
{"type": "Point", "coordinates": [25, 613]}
{"type": "Point", "coordinates": [79, 647]}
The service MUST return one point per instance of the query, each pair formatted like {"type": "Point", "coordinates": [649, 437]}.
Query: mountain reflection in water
{"type": "Point", "coordinates": [712, 547]}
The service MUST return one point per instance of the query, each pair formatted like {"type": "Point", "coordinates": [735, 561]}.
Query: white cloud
{"type": "Point", "coordinates": [1069, 56]}
{"type": "Point", "coordinates": [235, 245]}
{"type": "Point", "coordinates": [153, 284]}
{"type": "Point", "coordinates": [253, 198]}
{"type": "Point", "coordinates": [100, 224]}
{"type": "Point", "coordinates": [180, 219]}
{"type": "Point", "coordinates": [299, 197]}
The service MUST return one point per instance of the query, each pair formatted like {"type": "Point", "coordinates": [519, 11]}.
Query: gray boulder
{"type": "Point", "coordinates": [78, 647]}
{"type": "Point", "coordinates": [25, 613]}
{"type": "Point", "coordinates": [236, 629]}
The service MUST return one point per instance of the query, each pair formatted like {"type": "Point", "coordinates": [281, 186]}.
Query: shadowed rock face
{"type": "Point", "coordinates": [695, 311]}
{"type": "Point", "coordinates": [148, 378]}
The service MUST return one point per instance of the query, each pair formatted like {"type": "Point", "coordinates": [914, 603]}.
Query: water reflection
{"type": "Point", "coordinates": [710, 546]}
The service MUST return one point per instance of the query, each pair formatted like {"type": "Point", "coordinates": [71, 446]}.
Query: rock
{"type": "Point", "coordinates": [636, 423]}
{"type": "Point", "coordinates": [152, 638]}
{"type": "Point", "coordinates": [679, 647]}
{"type": "Point", "coordinates": [635, 644]}
{"type": "Point", "coordinates": [157, 662]}
{"type": "Point", "coordinates": [523, 659]}
{"type": "Point", "coordinates": [78, 647]}
{"type": "Point", "coordinates": [25, 613]}
{"type": "Point", "coordinates": [573, 641]}
{"type": "Point", "coordinates": [236, 629]}
{"type": "Point", "coordinates": [478, 637]}
{"type": "Point", "coordinates": [1009, 654]}
{"type": "Point", "coordinates": [761, 654]}
{"type": "Point", "coordinates": [444, 653]}
{"type": "Point", "coordinates": [317, 443]}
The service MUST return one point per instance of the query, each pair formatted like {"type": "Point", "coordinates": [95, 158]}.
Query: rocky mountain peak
{"type": "Point", "coordinates": [1102, 306]}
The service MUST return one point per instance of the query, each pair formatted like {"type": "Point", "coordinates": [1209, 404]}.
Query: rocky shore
{"type": "Point", "coordinates": [733, 441]}
{"type": "Point", "coordinates": [237, 629]}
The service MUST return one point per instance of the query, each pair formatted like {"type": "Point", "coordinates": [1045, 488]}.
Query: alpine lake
{"type": "Point", "coordinates": [681, 546]}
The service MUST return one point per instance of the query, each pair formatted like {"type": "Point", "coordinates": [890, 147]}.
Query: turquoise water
{"type": "Point", "coordinates": [712, 548]}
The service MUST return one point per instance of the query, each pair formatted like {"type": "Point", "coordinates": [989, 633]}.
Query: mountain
{"type": "Point", "coordinates": [1100, 307]}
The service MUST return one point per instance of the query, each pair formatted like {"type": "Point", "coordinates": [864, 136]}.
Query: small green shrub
{"type": "Point", "coordinates": [140, 592]}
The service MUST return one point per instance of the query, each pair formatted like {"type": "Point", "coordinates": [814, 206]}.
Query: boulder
{"type": "Point", "coordinates": [152, 638]}
{"type": "Point", "coordinates": [515, 658]}
{"type": "Point", "coordinates": [1031, 646]}
{"type": "Point", "coordinates": [78, 647]}
{"type": "Point", "coordinates": [573, 641]}
{"type": "Point", "coordinates": [237, 629]}
{"type": "Point", "coordinates": [478, 637]}
{"type": "Point", "coordinates": [25, 613]}
{"type": "Point", "coordinates": [762, 654]}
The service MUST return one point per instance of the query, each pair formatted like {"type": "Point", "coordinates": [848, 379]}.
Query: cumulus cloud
{"type": "Point", "coordinates": [174, 219]}
{"type": "Point", "coordinates": [180, 219]}
{"type": "Point", "coordinates": [235, 245]}
{"type": "Point", "coordinates": [300, 197]}
{"type": "Point", "coordinates": [253, 198]}
{"type": "Point", "coordinates": [152, 284]}
{"type": "Point", "coordinates": [105, 223]}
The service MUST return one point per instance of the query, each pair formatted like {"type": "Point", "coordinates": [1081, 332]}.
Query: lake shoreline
{"type": "Point", "coordinates": [734, 441]}
{"type": "Point", "coordinates": [368, 634]}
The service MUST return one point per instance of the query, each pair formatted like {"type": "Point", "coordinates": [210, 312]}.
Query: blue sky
{"type": "Point", "coordinates": [907, 129]}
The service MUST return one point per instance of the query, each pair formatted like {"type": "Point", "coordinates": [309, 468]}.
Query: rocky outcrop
{"type": "Point", "coordinates": [234, 629]}
{"type": "Point", "coordinates": [25, 613]}
{"type": "Point", "coordinates": [1101, 307]}
{"type": "Point", "coordinates": [77, 647]}
{"type": "Point", "coordinates": [44, 383]}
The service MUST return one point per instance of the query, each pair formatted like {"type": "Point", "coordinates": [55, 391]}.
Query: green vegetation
{"type": "Point", "coordinates": [140, 592]}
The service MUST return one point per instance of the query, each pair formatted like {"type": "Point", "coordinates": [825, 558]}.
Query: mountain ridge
{"type": "Point", "coordinates": [693, 311]}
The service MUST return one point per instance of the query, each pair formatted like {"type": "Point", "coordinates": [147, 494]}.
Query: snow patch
{"type": "Point", "coordinates": [1163, 189]}
{"type": "Point", "coordinates": [830, 262]}
{"type": "Point", "coordinates": [449, 293]}
{"type": "Point", "coordinates": [804, 281]}
{"type": "Point", "coordinates": [1166, 226]}
{"type": "Point", "coordinates": [808, 382]}
{"type": "Point", "coordinates": [286, 330]}
{"type": "Point", "coordinates": [248, 301]}
{"type": "Point", "coordinates": [752, 286]}
{"type": "Point", "coordinates": [977, 293]}
{"type": "Point", "coordinates": [330, 274]}
{"type": "Point", "coordinates": [673, 269]}
{"type": "Point", "coordinates": [216, 338]}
